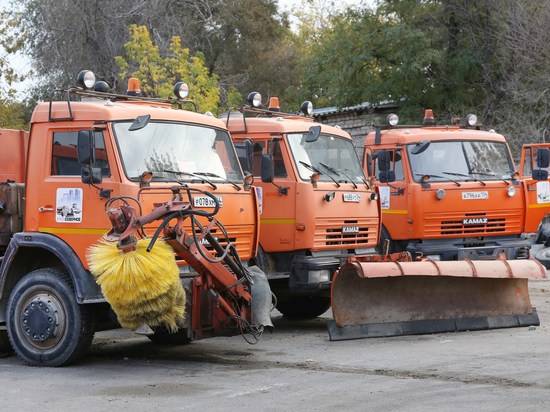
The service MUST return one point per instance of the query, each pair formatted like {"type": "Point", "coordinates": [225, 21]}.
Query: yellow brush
{"type": "Point", "coordinates": [141, 287]}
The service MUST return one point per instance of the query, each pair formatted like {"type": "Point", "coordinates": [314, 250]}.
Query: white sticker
{"type": "Point", "coordinates": [384, 192]}
{"type": "Point", "coordinates": [351, 197]}
{"type": "Point", "coordinates": [543, 192]}
{"type": "Point", "coordinates": [68, 205]}
{"type": "Point", "coordinates": [259, 198]}
{"type": "Point", "coordinates": [475, 195]}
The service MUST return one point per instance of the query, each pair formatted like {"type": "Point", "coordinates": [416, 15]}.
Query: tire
{"type": "Point", "coordinates": [303, 307]}
{"type": "Point", "coordinates": [46, 326]}
{"type": "Point", "coordinates": [164, 337]}
{"type": "Point", "coordinates": [543, 256]}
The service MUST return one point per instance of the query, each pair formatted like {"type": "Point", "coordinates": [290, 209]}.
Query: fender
{"type": "Point", "coordinates": [86, 288]}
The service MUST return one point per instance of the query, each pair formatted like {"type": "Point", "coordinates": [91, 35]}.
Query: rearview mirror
{"type": "Point", "coordinates": [543, 158]}
{"type": "Point", "coordinates": [387, 176]}
{"type": "Point", "coordinates": [85, 148]}
{"type": "Point", "coordinates": [420, 147]}
{"type": "Point", "coordinates": [313, 134]}
{"type": "Point", "coordinates": [267, 169]}
{"type": "Point", "coordinates": [140, 122]}
{"type": "Point", "coordinates": [539, 174]}
{"type": "Point", "coordinates": [383, 159]}
{"type": "Point", "coordinates": [91, 175]}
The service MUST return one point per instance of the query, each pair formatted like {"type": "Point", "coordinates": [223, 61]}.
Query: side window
{"type": "Point", "coordinates": [528, 165]}
{"type": "Point", "coordinates": [278, 160]}
{"type": "Point", "coordinates": [64, 154]}
{"type": "Point", "coordinates": [257, 151]}
{"type": "Point", "coordinates": [244, 160]}
{"type": "Point", "coordinates": [396, 164]}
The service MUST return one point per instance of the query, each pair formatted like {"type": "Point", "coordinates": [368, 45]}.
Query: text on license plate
{"type": "Point", "coordinates": [351, 197]}
{"type": "Point", "coordinates": [205, 201]}
{"type": "Point", "coordinates": [475, 195]}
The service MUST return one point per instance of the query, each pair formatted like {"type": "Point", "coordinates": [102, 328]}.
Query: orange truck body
{"type": "Point", "coordinates": [304, 229]}
{"type": "Point", "coordinates": [471, 219]}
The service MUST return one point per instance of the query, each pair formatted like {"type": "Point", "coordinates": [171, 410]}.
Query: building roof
{"type": "Point", "coordinates": [361, 107]}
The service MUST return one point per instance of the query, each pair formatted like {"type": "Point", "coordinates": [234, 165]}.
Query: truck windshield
{"type": "Point", "coordinates": [333, 156]}
{"type": "Point", "coordinates": [164, 148]}
{"type": "Point", "coordinates": [462, 160]}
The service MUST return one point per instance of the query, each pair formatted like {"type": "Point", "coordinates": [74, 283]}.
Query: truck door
{"type": "Point", "coordinates": [68, 208]}
{"type": "Point", "coordinates": [533, 172]}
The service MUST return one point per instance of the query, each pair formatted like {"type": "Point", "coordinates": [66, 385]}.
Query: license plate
{"type": "Point", "coordinates": [475, 195]}
{"type": "Point", "coordinates": [205, 201]}
{"type": "Point", "coordinates": [475, 221]}
{"type": "Point", "coordinates": [350, 229]}
{"type": "Point", "coordinates": [352, 197]}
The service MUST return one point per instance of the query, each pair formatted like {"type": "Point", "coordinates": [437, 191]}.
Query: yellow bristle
{"type": "Point", "coordinates": [141, 287]}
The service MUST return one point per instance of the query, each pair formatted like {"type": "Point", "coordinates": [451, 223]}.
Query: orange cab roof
{"type": "Point", "coordinates": [414, 135]}
{"type": "Point", "coordinates": [110, 111]}
{"type": "Point", "coordinates": [279, 125]}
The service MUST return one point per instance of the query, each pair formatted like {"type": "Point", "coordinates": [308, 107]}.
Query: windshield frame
{"type": "Point", "coordinates": [471, 178]}
{"type": "Point", "coordinates": [306, 179]}
{"type": "Point", "coordinates": [177, 178]}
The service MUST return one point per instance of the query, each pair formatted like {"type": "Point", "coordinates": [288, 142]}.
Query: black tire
{"type": "Point", "coordinates": [163, 337]}
{"type": "Point", "coordinates": [303, 307]}
{"type": "Point", "coordinates": [46, 326]}
{"type": "Point", "coordinates": [543, 256]}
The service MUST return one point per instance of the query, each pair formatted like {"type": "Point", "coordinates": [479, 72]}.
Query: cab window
{"type": "Point", "coordinates": [396, 164]}
{"type": "Point", "coordinates": [65, 158]}
{"type": "Point", "coordinates": [278, 160]}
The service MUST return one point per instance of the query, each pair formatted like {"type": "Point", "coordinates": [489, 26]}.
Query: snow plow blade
{"type": "Point", "coordinates": [376, 299]}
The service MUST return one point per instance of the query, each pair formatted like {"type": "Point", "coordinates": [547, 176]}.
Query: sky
{"type": "Point", "coordinates": [22, 64]}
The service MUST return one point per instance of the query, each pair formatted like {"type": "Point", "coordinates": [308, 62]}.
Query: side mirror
{"type": "Point", "coordinates": [420, 147]}
{"type": "Point", "coordinates": [85, 148]}
{"type": "Point", "coordinates": [91, 175]}
{"type": "Point", "coordinates": [387, 176]}
{"type": "Point", "coordinates": [313, 134]}
{"type": "Point", "coordinates": [539, 174]}
{"type": "Point", "coordinates": [384, 161]}
{"type": "Point", "coordinates": [249, 152]}
{"type": "Point", "coordinates": [543, 158]}
{"type": "Point", "coordinates": [267, 169]}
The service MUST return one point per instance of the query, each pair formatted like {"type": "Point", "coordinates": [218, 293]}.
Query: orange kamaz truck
{"type": "Point", "coordinates": [85, 152]}
{"type": "Point", "coordinates": [317, 208]}
{"type": "Point", "coordinates": [448, 192]}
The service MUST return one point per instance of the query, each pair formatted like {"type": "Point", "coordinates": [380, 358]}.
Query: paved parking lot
{"type": "Point", "coordinates": [297, 368]}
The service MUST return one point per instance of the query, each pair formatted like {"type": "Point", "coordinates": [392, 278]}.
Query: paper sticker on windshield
{"type": "Point", "coordinates": [206, 201]}
{"type": "Point", "coordinates": [68, 205]}
{"type": "Point", "coordinates": [475, 195]}
{"type": "Point", "coordinates": [351, 197]}
{"type": "Point", "coordinates": [543, 192]}
{"type": "Point", "coordinates": [384, 192]}
{"type": "Point", "coordinates": [259, 198]}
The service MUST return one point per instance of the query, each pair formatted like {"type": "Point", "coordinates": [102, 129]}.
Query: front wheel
{"type": "Point", "coordinates": [303, 307]}
{"type": "Point", "coordinates": [46, 326]}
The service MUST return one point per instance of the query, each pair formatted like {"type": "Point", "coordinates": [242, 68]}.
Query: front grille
{"type": "Point", "coordinates": [329, 233]}
{"type": "Point", "coordinates": [240, 235]}
{"type": "Point", "coordinates": [452, 224]}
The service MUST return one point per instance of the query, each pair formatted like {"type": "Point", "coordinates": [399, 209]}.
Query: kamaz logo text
{"type": "Point", "coordinates": [350, 229]}
{"type": "Point", "coordinates": [475, 221]}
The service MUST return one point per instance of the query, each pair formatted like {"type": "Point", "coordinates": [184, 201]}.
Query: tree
{"type": "Point", "coordinates": [158, 72]}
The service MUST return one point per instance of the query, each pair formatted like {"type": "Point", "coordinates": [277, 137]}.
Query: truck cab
{"type": "Point", "coordinates": [52, 208]}
{"type": "Point", "coordinates": [317, 208]}
{"type": "Point", "coordinates": [447, 192]}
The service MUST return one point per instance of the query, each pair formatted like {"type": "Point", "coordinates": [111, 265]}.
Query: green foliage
{"type": "Point", "coordinates": [12, 115]}
{"type": "Point", "coordinates": [158, 73]}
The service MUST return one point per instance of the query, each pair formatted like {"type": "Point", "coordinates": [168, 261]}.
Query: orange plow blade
{"type": "Point", "coordinates": [374, 299]}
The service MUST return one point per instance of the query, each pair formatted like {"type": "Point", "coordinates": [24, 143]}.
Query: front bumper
{"type": "Point", "coordinates": [312, 273]}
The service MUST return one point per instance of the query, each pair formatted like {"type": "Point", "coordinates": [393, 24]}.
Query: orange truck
{"type": "Point", "coordinates": [317, 208]}
{"type": "Point", "coordinates": [52, 210]}
{"type": "Point", "coordinates": [448, 192]}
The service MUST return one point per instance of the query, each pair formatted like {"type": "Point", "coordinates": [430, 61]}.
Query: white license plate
{"type": "Point", "coordinates": [352, 197]}
{"type": "Point", "coordinates": [350, 229]}
{"type": "Point", "coordinates": [475, 195]}
{"type": "Point", "coordinates": [205, 201]}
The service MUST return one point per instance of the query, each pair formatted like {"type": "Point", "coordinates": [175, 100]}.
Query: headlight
{"type": "Point", "coordinates": [254, 99]}
{"type": "Point", "coordinates": [471, 120]}
{"type": "Point", "coordinates": [86, 79]}
{"type": "Point", "coordinates": [511, 191]}
{"type": "Point", "coordinates": [181, 90]}
{"type": "Point", "coordinates": [392, 119]}
{"type": "Point", "coordinates": [307, 108]}
{"type": "Point", "coordinates": [440, 193]}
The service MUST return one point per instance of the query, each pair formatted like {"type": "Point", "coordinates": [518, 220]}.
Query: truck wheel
{"type": "Point", "coordinates": [303, 307]}
{"type": "Point", "coordinates": [163, 337]}
{"type": "Point", "coordinates": [46, 326]}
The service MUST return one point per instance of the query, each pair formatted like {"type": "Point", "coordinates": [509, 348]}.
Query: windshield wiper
{"type": "Point", "coordinates": [439, 177]}
{"type": "Point", "coordinates": [464, 175]}
{"type": "Point", "coordinates": [338, 172]}
{"type": "Point", "coordinates": [315, 170]}
{"type": "Point", "coordinates": [210, 174]}
{"type": "Point", "coordinates": [492, 175]}
{"type": "Point", "coordinates": [202, 178]}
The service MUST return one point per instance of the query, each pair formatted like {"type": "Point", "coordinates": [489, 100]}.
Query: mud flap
{"type": "Point", "coordinates": [262, 299]}
{"type": "Point", "coordinates": [378, 299]}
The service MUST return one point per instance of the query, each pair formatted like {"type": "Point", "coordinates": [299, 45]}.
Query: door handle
{"type": "Point", "coordinates": [47, 208]}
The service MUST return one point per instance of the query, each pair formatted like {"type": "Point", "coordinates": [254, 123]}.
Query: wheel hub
{"type": "Point", "coordinates": [39, 321]}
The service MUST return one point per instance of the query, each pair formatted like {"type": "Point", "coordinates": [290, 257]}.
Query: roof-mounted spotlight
{"type": "Point", "coordinates": [102, 86]}
{"type": "Point", "coordinates": [306, 108]}
{"type": "Point", "coordinates": [471, 120]}
{"type": "Point", "coordinates": [181, 90]}
{"type": "Point", "coordinates": [85, 79]}
{"type": "Point", "coordinates": [392, 119]}
{"type": "Point", "coordinates": [254, 99]}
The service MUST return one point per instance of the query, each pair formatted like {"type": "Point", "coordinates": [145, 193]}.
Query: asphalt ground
{"type": "Point", "coordinates": [298, 368]}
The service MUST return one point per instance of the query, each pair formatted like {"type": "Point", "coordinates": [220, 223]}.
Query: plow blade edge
{"type": "Point", "coordinates": [375, 299]}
